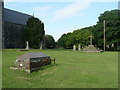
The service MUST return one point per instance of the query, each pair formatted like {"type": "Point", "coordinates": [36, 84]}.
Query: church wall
{"type": "Point", "coordinates": [14, 23]}
{"type": "Point", "coordinates": [13, 35]}
{"type": "Point", "coordinates": [1, 23]}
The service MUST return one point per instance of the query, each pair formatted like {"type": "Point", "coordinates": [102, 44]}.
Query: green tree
{"type": "Point", "coordinates": [70, 41]}
{"type": "Point", "coordinates": [50, 42]}
{"type": "Point", "coordinates": [34, 32]}
{"type": "Point", "coordinates": [79, 36]}
{"type": "Point", "coordinates": [112, 29]}
{"type": "Point", "coordinates": [82, 36]}
{"type": "Point", "coordinates": [62, 40]}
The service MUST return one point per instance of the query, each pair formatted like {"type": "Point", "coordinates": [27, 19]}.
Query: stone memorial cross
{"type": "Point", "coordinates": [91, 39]}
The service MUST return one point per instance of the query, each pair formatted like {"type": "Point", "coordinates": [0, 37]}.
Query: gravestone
{"type": "Point", "coordinates": [27, 45]}
{"type": "Point", "coordinates": [32, 61]}
{"type": "Point", "coordinates": [41, 46]}
{"type": "Point", "coordinates": [74, 47]}
{"type": "Point", "coordinates": [112, 44]}
{"type": "Point", "coordinates": [79, 47]}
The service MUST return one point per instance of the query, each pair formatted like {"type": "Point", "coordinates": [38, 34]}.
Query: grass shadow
{"type": "Point", "coordinates": [44, 67]}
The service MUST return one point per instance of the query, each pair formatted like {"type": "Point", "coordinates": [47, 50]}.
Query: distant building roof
{"type": "Point", "coordinates": [32, 55]}
{"type": "Point", "coordinates": [15, 17]}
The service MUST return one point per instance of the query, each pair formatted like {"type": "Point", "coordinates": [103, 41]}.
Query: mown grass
{"type": "Point", "coordinates": [73, 69]}
{"type": "Point", "coordinates": [0, 69]}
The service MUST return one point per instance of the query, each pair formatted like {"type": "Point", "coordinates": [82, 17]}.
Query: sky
{"type": "Point", "coordinates": [63, 16]}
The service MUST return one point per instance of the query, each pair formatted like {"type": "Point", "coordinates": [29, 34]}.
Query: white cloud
{"type": "Point", "coordinates": [71, 10]}
{"type": "Point", "coordinates": [42, 11]}
{"type": "Point", "coordinates": [43, 8]}
{"type": "Point", "coordinates": [76, 7]}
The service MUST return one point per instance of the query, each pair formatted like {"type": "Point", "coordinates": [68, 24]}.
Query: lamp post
{"type": "Point", "coordinates": [104, 33]}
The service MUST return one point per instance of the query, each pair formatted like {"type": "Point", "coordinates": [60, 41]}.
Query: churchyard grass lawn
{"type": "Point", "coordinates": [73, 69]}
{"type": "Point", "coordinates": [0, 69]}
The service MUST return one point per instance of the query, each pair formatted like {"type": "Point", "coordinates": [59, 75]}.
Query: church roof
{"type": "Point", "coordinates": [15, 16]}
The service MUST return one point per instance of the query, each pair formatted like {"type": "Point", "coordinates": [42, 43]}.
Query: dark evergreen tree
{"type": "Point", "coordinates": [34, 32]}
{"type": "Point", "coordinates": [50, 42]}
{"type": "Point", "coordinates": [62, 41]}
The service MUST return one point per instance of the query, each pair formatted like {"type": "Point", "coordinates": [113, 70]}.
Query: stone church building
{"type": "Point", "coordinates": [14, 23]}
{"type": "Point", "coordinates": [11, 26]}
